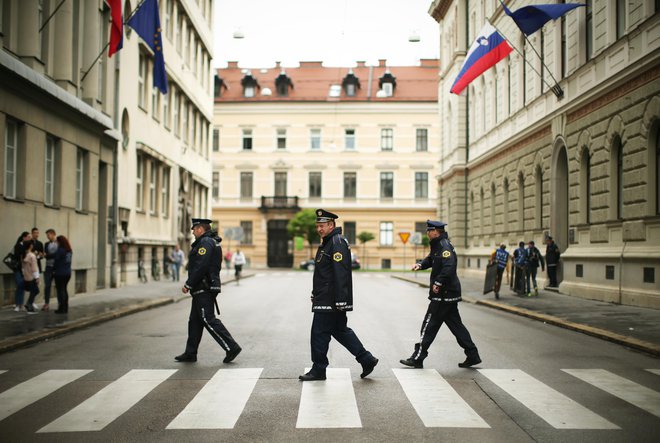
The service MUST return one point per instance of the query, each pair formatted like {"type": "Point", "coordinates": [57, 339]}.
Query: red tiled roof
{"type": "Point", "coordinates": [312, 81]}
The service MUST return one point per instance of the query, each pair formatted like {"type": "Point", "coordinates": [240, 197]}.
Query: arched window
{"type": "Point", "coordinates": [492, 207]}
{"type": "Point", "coordinates": [656, 147]}
{"type": "Point", "coordinates": [616, 178]}
{"type": "Point", "coordinates": [585, 185]}
{"type": "Point", "coordinates": [470, 215]}
{"type": "Point", "coordinates": [521, 202]}
{"type": "Point", "coordinates": [505, 204]}
{"type": "Point", "coordinates": [538, 204]}
{"type": "Point", "coordinates": [653, 169]}
{"type": "Point", "coordinates": [482, 227]}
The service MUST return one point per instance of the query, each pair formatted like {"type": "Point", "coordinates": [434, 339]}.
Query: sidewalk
{"type": "Point", "coordinates": [18, 329]}
{"type": "Point", "coordinates": [637, 328]}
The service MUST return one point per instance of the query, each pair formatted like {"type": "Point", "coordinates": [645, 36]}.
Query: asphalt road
{"type": "Point", "coordinates": [118, 382]}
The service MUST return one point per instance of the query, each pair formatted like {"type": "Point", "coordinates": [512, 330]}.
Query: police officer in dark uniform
{"type": "Point", "coordinates": [332, 297]}
{"type": "Point", "coordinates": [204, 263]}
{"type": "Point", "coordinates": [444, 293]}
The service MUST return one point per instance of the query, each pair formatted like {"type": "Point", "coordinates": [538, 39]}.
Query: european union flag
{"type": "Point", "coordinates": [146, 23]}
{"type": "Point", "coordinates": [532, 18]}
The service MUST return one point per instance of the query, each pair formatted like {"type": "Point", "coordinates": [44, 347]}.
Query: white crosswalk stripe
{"type": "Point", "coordinates": [554, 407]}
{"type": "Point", "coordinates": [110, 402]}
{"type": "Point", "coordinates": [220, 402]}
{"type": "Point", "coordinates": [435, 401]}
{"type": "Point", "coordinates": [36, 388]}
{"type": "Point", "coordinates": [627, 390]}
{"type": "Point", "coordinates": [329, 403]}
{"type": "Point", "coordinates": [655, 371]}
{"type": "Point", "coordinates": [2, 371]}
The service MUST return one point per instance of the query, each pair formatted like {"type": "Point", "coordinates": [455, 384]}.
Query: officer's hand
{"type": "Point", "coordinates": [184, 290]}
{"type": "Point", "coordinates": [417, 267]}
{"type": "Point", "coordinates": [436, 289]}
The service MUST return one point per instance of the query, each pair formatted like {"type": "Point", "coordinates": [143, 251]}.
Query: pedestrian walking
{"type": "Point", "coordinates": [534, 260]}
{"type": "Point", "coordinates": [332, 298]}
{"type": "Point", "coordinates": [552, 255]}
{"type": "Point", "coordinates": [501, 257]}
{"type": "Point", "coordinates": [521, 283]}
{"type": "Point", "coordinates": [228, 256]}
{"type": "Point", "coordinates": [49, 252]}
{"type": "Point", "coordinates": [444, 295]}
{"type": "Point", "coordinates": [177, 258]}
{"type": "Point", "coordinates": [38, 247]}
{"type": "Point", "coordinates": [30, 275]}
{"type": "Point", "coordinates": [203, 284]}
{"type": "Point", "coordinates": [18, 271]}
{"type": "Point", "coordinates": [62, 273]}
{"type": "Point", "coordinates": [239, 261]}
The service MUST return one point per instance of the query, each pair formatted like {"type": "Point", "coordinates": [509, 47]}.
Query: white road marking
{"type": "Point", "coordinates": [329, 403]}
{"type": "Point", "coordinates": [627, 390]}
{"type": "Point", "coordinates": [2, 371]}
{"type": "Point", "coordinates": [655, 371]}
{"type": "Point", "coordinates": [219, 404]}
{"type": "Point", "coordinates": [554, 407]}
{"type": "Point", "coordinates": [36, 388]}
{"type": "Point", "coordinates": [435, 401]}
{"type": "Point", "coordinates": [110, 402]}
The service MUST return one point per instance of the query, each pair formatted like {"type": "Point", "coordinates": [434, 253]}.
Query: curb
{"type": "Point", "coordinates": [640, 345]}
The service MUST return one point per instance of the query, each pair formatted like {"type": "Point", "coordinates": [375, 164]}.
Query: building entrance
{"type": "Point", "coordinates": [280, 250]}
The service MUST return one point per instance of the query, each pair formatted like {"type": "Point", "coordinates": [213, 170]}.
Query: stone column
{"type": "Point", "coordinates": [29, 39]}
{"type": "Point", "coordinates": [90, 41]}
{"type": "Point", "coordinates": [63, 47]}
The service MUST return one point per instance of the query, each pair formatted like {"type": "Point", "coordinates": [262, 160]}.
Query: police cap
{"type": "Point", "coordinates": [433, 224]}
{"type": "Point", "coordinates": [200, 221]}
{"type": "Point", "coordinates": [323, 216]}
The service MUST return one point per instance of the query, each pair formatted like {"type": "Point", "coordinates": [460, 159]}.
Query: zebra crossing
{"type": "Point", "coordinates": [331, 403]}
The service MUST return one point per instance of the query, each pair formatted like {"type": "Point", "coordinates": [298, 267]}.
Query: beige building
{"type": "Point", "coordinates": [69, 115]}
{"type": "Point", "coordinates": [361, 142]}
{"type": "Point", "coordinates": [518, 163]}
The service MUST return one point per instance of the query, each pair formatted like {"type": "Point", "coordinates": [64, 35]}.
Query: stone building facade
{"type": "Point", "coordinates": [519, 163]}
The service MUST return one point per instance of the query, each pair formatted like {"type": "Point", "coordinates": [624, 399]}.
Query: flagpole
{"type": "Point", "coordinates": [51, 15]}
{"type": "Point", "coordinates": [558, 92]}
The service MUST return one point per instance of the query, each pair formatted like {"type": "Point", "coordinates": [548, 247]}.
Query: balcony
{"type": "Point", "coordinates": [278, 203]}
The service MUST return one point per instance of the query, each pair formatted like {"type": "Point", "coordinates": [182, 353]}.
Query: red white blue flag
{"type": "Point", "coordinates": [116, 28]}
{"type": "Point", "coordinates": [488, 49]}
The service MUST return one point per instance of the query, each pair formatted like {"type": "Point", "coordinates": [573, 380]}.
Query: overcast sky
{"type": "Point", "coordinates": [336, 32]}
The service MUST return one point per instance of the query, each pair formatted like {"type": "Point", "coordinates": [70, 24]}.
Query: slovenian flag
{"type": "Point", "coordinates": [116, 28]}
{"type": "Point", "coordinates": [488, 49]}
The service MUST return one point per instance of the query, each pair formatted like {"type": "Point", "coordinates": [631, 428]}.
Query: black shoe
{"type": "Point", "coordinates": [231, 354]}
{"type": "Point", "coordinates": [368, 367]}
{"type": "Point", "coordinates": [187, 358]}
{"type": "Point", "coordinates": [311, 377]}
{"type": "Point", "coordinates": [60, 311]}
{"type": "Point", "coordinates": [417, 364]}
{"type": "Point", "coordinates": [469, 362]}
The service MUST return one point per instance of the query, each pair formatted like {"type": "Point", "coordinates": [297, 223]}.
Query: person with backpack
{"type": "Point", "coordinates": [533, 261]}
{"type": "Point", "coordinates": [62, 273]}
{"type": "Point", "coordinates": [501, 257]}
{"type": "Point", "coordinates": [16, 266]}
{"type": "Point", "coordinates": [31, 275]}
{"type": "Point", "coordinates": [520, 259]}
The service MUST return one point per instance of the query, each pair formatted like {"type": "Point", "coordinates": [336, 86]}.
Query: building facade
{"type": "Point", "coordinates": [519, 163]}
{"type": "Point", "coordinates": [360, 141]}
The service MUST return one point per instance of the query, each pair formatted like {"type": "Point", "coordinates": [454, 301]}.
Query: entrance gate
{"type": "Point", "coordinates": [280, 254]}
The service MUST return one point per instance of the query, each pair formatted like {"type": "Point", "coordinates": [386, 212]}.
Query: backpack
{"type": "Point", "coordinates": [12, 262]}
{"type": "Point", "coordinates": [521, 257]}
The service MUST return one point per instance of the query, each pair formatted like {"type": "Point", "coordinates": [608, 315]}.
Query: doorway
{"type": "Point", "coordinates": [280, 250]}
{"type": "Point", "coordinates": [559, 223]}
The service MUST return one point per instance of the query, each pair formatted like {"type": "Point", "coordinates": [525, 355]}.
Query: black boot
{"type": "Point", "coordinates": [186, 358]}
{"type": "Point", "coordinates": [310, 376]}
{"type": "Point", "coordinates": [368, 366]}
{"type": "Point", "coordinates": [470, 361]}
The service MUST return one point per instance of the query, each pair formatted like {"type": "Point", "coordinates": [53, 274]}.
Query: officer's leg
{"type": "Point", "coordinates": [456, 326]}
{"type": "Point", "coordinates": [322, 325]}
{"type": "Point", "coordinates": [213, 324]}
{"type": "Point", "coordinates": [430, 327]}
{"type": "Point", "coordinates": [348, 339]}
{"type": "Point", "coordinates": [195, 328]}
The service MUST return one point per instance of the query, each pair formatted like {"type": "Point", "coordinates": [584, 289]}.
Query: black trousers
{"type": "Point", "coordinates": [437, 314]}
{"type": "Point", "coordinates": [61, 283]}
{"type": "Point", "coordinates": [333, 324]}
{"type": "Point", "coordinates": [552, 275]}
{"type": "Point", "coordinates": [202, 315]}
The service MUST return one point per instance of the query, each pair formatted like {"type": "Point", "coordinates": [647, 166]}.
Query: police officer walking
{"type": "Point", "coordinates": [444, 293]}
{"type": "Point", "coordinates": [204, 263]}
{"type": "Point", "coordinates": [332, 297]}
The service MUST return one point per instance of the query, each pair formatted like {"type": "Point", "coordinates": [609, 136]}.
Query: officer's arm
{"type": "Point", "coordinates": [199, 263]}
{"type": "Point", "coordinates": [426, 263]}
{"type": "Point", "coordinates": [341, 269]}
{"type": "Point", "coordinates": [541, 259]}
{"type": "Point", "coordinates": [446, 267]}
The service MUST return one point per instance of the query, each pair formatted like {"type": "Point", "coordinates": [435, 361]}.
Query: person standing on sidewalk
{"type": "Point", "coordinates": [332, 298]}
{"type": "Point", "coordinates": [521, 285]}
{"type": "Point", "coordinates": [177, 261]}
{"type": "Point", "coordinates": [30, 275]}
{"type": "Point", "coordinates": [239, 261]}
{"type": "Point", "coordinates": [534, 258]}
{"type": "Point", "coordinates": [203, 284]}
{"type": "Point", "coordinates": [552, 260]}
{"type": "Point", "coordinates": [49, 252]}
{"type": "Point", "coordinates": [501, 257]}
{"type": "Point", "coordinates": [37, 248]}
{"type": "Point", "coordinates": [62, 273]}
{"type": "Point", "coordinates": [444, 293]}
{"type": "Point", "coordinates": [18, 270]}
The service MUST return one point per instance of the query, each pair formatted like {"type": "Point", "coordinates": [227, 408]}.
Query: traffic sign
{"type": "Point", "coordinates": [404, 236]}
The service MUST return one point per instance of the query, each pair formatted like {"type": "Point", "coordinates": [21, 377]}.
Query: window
{"type": "Point", "coordinates": [11, 158]}
{"type": "Point", "coordinates": [563, 56]}
{"type": "Point", "coordinates": [349, 139]}
{"type": "Point", "coordinates": [386, 233]}
{"type": "Point", "coordinates": [617, 175]}
{"type": "Point", "coordinates": [620, 18]}
{"type": "Point", "coordinates": [505, 205]}
{"type": "Point", "coordinates": [247, 232]}
{"type": "Point", "coordinates": [247, 139]}
{"type": "Point", "coordinates": [80, 179]}
{"type": "Point", "coordinates": [386, 185]}
{"type": "Point", "coordinates": [216, 139]}
{"type": "Point", "coordinates": [281, 138]}
{"type": "Point", "coordinates": [609, 272]}
{"type": "Point", "coordinates": [139, 183]}
{"type": "Point", "coordinates": [215, 191]}
{"type": "Point", "coordinates": [657, 170]}
{"type": "Point", "coordinates": [386, 139]}
{"type": "Point", "coordinates": [421, 185]}
{"type": "Point", "coordinates": [538, 195]}
{"type": "Point", "coordinates": [142, 79]}
{"type": "Point", "coordinates": [420, 227]}
{"type": "Point", "coordinates": [315, 184]}
{"type": "Point", "coordinates": [246, 185]}
{"type": "Point", "coordinates": [585, 186]}
{"type": "Point", "coordinates": [335, 91]}
{"type": "Point", "coordinates": [349, 231]}
{"type": "Point", "coordinates": [521, 202]}
{"type": "Point", "coordinates": [153, 179]}
{"type": "Point", "coordinates": [350, 184]}
{"type": "Point", "coordinates": [315, 139]}
{"type": "Point", "coordinates": [49, 175]}
{"type": "Point", "coordinates": [579, 270]}
{"type": "Point", "coordinates": [175, 111]}
{"type": "Point", "coordinates": [388, 89]}
{"type": "Point", "coordinates": [588, 29]}
{"type": "Point", "coordinates": [165, 193]}
{"type": "Point", "coordinates": [184, 119]}
{"type": "Point", "coordinates": [350, 90]}
{"type": "Point", "coordinates": [422, 139]}
{"type": "Point", "coordinates": [280, 184]}
{"type": "Point", "coordinates": [166, 111]}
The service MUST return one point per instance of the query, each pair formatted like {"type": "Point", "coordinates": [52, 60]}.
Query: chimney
{"type": "Point", "coordinates": [232, 65]}
{"type": "Point", "coordinates": [311, 64]}
{"type": "Point", "coordinates": [381, 62]}
{"type": "Point", "coordinates": [277, 64]}
{"type": "Point", "coordinates": [360, 64]}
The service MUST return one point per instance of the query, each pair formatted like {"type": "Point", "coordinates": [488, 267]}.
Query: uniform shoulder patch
{"type": "Point", "coordinates": [446, 254]}
{"type": "Point", "coordinates": [337, 256]}
{"type": "Point", "coordinates": [201, 251]}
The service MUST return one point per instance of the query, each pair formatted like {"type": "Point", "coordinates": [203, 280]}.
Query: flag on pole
{"type": "Point", "coordinates": [146, 23]}
{"type": "Point", "coordinates": [488, 49]}
{"type": "Point", "coordinates": [116, 27]}
{"type": "Point", "coordinates": [532, 18]}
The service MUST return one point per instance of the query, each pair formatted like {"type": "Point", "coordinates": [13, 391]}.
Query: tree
{"type": "Point", "coordinates": [364, 237]}
{"type": "Point", "coordinates": [303, 224]}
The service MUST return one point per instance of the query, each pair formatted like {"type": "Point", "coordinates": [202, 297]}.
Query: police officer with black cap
{"type": "Point", "coordinates": [204, 262]}
{"type": "Point", "coordinates": [444, 293]}
{"type": "Point", "coordinates": [332, 297]}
